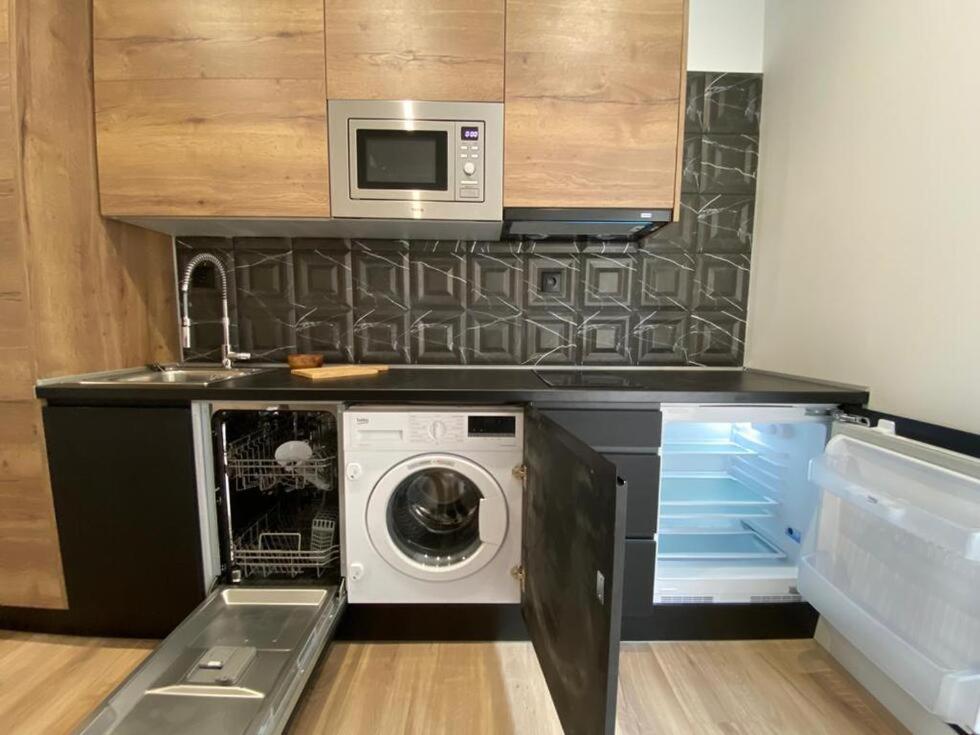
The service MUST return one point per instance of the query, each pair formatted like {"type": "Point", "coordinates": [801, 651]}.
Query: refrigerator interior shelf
{"type": "Point", "coordinates": [706, 544]}
{"type": "Point", "coordinates": [720, 510]}
{"type": "Point", "coordinates": [707, 447]}
{"type": "Point", "coordinates": [713, 490]}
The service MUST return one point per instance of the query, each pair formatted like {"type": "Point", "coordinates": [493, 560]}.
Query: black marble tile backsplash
{"type": "Point", "coordinates": [676, 298]}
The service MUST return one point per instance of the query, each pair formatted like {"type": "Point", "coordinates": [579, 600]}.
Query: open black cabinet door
{"type": "Point", "coordinates": [574, 543]}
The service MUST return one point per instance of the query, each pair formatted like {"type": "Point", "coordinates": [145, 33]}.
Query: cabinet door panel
{"type": "Point", "coordinates": [211, 109]}
{"type": "Point", "coordinates": [593, 92]}
{"type": "Point", "coordinates": [415, 49]}
{"type": "Point", "coordinates": [125, 495]}
{"type": "Point", "coordinates": [573, 555]}
{"type": "Point", "coordinates": [30, 562]}
{"type": "Point", "coordinates": [248, 147]}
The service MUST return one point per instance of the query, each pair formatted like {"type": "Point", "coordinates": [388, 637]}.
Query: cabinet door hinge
{"type": "Point", "coordinates": [520, 472]}
{"type": "Point", "coordinates": [849, 418]}
{"type": "Point", "coordinates": [518, 574]}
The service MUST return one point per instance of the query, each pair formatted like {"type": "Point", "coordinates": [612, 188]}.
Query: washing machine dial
{"type": "Point", "coordinates": [354, 471]}
{"type": "Point", "coordinates": [437, 430]}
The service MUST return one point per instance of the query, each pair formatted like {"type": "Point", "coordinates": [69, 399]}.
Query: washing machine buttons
{"type": "Point", "coordinates": [355, 571]}
{"type": "Point", "coordinates": [354, 471]}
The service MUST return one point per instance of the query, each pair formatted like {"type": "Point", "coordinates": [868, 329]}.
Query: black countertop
{"type": "Point", "coordinates": [481, 385]}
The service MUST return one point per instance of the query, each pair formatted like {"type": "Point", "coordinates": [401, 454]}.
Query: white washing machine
{"type": "Point", "coordinates": [432, 504]}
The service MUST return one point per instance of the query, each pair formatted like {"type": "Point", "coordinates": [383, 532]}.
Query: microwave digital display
{"type": "Point", "coordinates": [470, 132]}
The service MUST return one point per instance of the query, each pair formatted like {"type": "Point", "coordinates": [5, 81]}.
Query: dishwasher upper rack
{"type": "Point", "coordinates": [251, 461]}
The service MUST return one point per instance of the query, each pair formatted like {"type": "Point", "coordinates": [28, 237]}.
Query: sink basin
{"type": "Point", "coordinates": [179, 375]}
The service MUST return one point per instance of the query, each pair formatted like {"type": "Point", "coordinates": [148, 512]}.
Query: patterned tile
{"type": "Point", "coordinates": [494, 337]}
{"type": "Point", "coordinates": [662, 338]}
{"type": "Point", "coordinates": [716, 338]}
{"type": "Point", "coordinates": [550, 338]}
{"type": "Point", "coordinates": [382, 338]}
{"type": "Point", "coordinates": [732, 102]}
{"type": "Point", "coordinates": [677, 298]}
{"type": "Point", "coordinates": [721, 282]}
{"type": "Point", "coordinates": [607, 338]}
{"type": "Point", "coordinates": [496, 281]}
{"type": "Point", "coordinates": [609, 280]}
{"type": "Point", "coordinates": [725, 223]}
{"type": "Point", "coordinates": [694, 102]}
{"type": "Point", "coordinates": [552, 280]}
{"type": "Point", "coordinates": [729, 163]}
{"type": "Point", "coordinates": [682, 235]}
{"type": "Point", "coordinates": [438, 281]}
{"type": "Point", "coordinates": [438, 337]}
{"type": "Point", "coordinates": [666, 279]}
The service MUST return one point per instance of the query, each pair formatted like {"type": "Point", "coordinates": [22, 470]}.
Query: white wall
{"type": "Point", "coordinates": [866, 262]}
{"type": "Point", "coordinates": [725, 35]}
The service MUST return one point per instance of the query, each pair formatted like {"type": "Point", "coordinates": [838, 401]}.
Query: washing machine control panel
{"type": "Point", "coordinates": [449, 430]}
{"type": "Point", "coordinates": [424, 429]}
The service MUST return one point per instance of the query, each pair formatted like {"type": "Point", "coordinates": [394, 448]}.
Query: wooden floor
{"type": "Point", "coordinates": [49, 683]}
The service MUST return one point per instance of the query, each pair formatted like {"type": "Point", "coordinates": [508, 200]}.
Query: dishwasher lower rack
{"type": "Point", "coordinates": [277, 543]}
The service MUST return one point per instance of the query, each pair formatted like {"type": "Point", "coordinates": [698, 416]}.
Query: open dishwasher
{"type": "Point", "coordinates": [269, 507]}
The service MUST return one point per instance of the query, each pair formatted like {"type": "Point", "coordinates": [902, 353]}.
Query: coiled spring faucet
{"type": "Point", "coordinates": [227, 354]}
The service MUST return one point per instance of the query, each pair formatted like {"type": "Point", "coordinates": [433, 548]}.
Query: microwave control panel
{"type": "Point", "coordinates": [469, 161]}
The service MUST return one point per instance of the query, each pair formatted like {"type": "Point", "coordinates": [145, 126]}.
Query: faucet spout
{"type": "Point", "coordinates": [227, 353]}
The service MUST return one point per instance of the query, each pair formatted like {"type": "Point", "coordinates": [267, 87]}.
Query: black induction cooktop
{"type": "Point", "coordinates": [594, 379]}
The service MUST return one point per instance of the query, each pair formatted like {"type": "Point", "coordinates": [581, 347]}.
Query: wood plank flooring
{"type": "Point", "coordinates": [49, 683]}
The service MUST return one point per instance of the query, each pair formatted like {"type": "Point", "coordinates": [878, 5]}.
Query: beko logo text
{"type": "Point", "coordinates": [361, 422]}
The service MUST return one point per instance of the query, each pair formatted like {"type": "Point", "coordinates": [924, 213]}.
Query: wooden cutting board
{"type": "Point", "coordinates": [339, 371]}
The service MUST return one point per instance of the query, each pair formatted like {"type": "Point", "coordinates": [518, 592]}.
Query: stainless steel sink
{"type": "Point", "coordinates": [177, 375]}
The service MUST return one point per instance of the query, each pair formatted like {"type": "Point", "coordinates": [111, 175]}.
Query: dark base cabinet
{"type": "Point", "coordinates": [630, 439]}
{"type": "Point", "coordinates": [125, 497]}
{"type": "Point", "coordinates": [713, 621]}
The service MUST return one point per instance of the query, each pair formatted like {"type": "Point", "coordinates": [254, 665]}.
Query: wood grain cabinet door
{"type": "Point", "coordinates": [593, 96]}
{"type": "Point", "coordinates": [450, 50]}
{"type": "Point", "coordinates": [213, 108]}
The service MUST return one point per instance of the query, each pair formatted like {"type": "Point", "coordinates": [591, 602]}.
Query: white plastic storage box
{"type": "Point", "coordinates": [893, 563]}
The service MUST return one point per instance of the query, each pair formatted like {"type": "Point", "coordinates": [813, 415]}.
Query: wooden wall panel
{"type": "Point", "coordinates": [211, 108]}
{"type": "Point", "coordinates": [96, 292]}
{"type": "Point", "coordinates": [77, 292]}
{"type": "Point", "coordinates": [415, 49]}
{"type": "Point", "coordinates": [593, 90]}
{"type": "Point", "coordinates": [30, 559]}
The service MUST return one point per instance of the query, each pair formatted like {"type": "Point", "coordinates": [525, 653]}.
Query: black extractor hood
{"type": "Point", "coordinates": [543, 223]}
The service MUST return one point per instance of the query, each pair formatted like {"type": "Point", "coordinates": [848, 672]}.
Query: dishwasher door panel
{"type": "Point", "coordinates": [279, 632]}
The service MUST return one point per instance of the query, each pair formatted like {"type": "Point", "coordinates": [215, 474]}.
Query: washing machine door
{"type": "Point", "coordinates": [437, 517]}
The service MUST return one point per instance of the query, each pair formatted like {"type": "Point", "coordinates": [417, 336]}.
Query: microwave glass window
{"type": "Point", "coordinates": [402, 159]}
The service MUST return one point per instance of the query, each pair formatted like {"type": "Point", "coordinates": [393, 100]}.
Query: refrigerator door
{"type": "Point", "coordinates": [235, 666]}
{"type": "Point", "coordinates": [573, 550]}
{"type": "Point", "coordinates": [893, 563]}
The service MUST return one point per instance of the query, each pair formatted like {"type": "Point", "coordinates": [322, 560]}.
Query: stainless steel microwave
{"type": "Point", "coordinates": [416, 160]}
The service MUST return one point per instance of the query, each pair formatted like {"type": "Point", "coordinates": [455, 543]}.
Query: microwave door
{"type": "Point", "coordinates": [405, 160]}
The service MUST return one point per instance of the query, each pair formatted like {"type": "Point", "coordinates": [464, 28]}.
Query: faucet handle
{"type": "Point", "coordinates": [239, 355]}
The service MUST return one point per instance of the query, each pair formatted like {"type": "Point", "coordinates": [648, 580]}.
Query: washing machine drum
{"type": "Point", "coordinates": [437, 517]}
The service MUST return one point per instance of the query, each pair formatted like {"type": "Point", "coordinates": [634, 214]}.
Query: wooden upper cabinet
{"type": "Point", "coordinates": [211, 108]}
{"type": "Point", "coordinates": [415, 49]}
{"type": "Point", "coordinates": [594, 102]}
